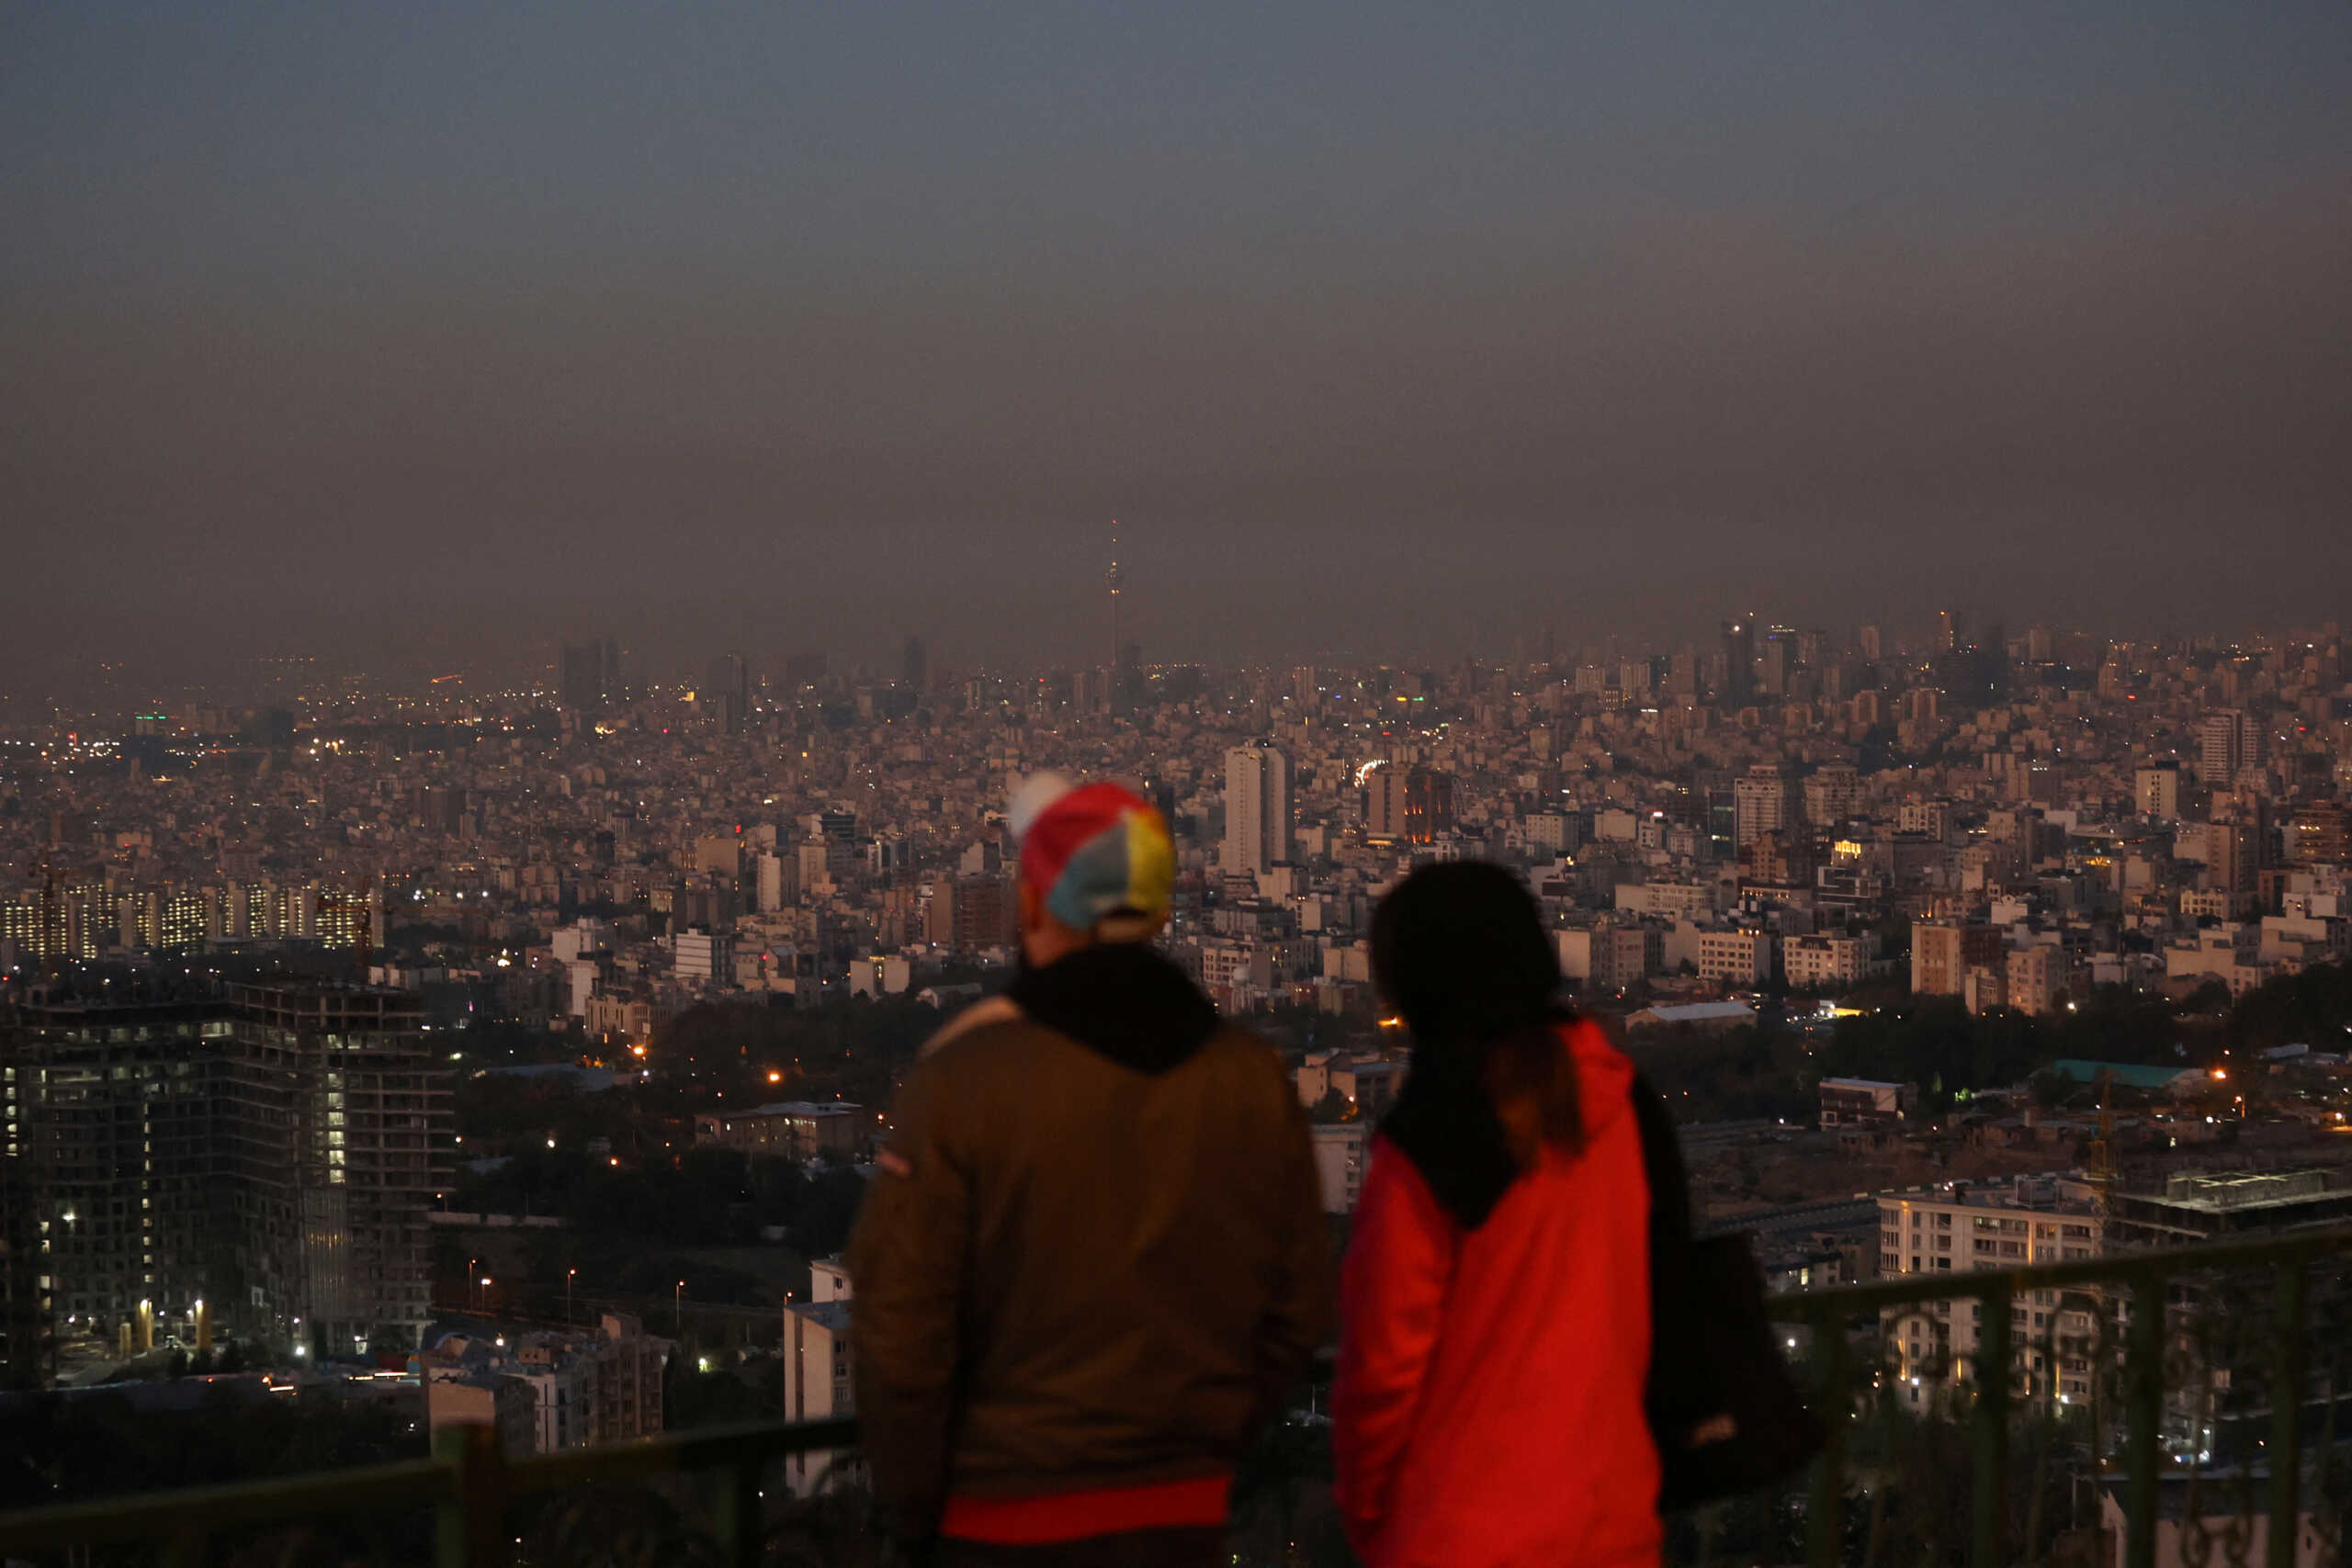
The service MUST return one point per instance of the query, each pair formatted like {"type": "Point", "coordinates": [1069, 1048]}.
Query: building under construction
{"type": "Point", "coordinates": [264, 1160]}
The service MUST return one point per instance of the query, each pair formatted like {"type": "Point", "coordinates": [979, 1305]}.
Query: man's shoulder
{"type": "Point", "coordinates": [987, 1013]}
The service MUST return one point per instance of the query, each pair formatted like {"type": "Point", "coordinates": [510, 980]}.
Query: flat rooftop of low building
{"type": "Point", "coordinates": [2235, 1191]}
{"type": "Point", "coordinates": [2042, 1194]}
{"type": "Point", "coordinates": [1696, 1012]}
{"type": "Point", "coordinates": [2131, 1074]}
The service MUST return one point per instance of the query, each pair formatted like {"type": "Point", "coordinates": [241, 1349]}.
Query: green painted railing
{"type": "Point", "coordinates": [2270, 1277]}
{"type": "Point", "coordinates": [471, 1486]}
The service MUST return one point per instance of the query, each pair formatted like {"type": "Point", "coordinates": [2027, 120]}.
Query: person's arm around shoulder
{"type": "Point", "coordinates": [906, 1261]}
{"type": "Point", "coordinates": [1391, 1304]}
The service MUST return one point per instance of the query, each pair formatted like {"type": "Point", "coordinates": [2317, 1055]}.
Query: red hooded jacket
{"type": "Point", "coordinates": [1488, 1408]}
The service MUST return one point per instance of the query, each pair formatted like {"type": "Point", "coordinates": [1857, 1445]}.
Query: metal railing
{"type": "Point", "coordinates": [2192, 1350]}
{"type": "Point", "coordinates": [469, 1483]}
{"type": "Point", "coordinates": [2181, 1343]}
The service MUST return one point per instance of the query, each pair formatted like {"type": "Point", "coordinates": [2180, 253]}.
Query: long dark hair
{"type": "Point", "coordinates": [1460, 952]}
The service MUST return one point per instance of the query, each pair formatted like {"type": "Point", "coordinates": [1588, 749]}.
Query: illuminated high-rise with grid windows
{"type": "Point", "coordinates": [339, 1118]}
{"type": "Point", "coordinates": [264, 1161]}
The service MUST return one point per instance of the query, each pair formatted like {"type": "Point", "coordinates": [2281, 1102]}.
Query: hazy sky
{"type": "Point", "coordinates": [1395, 328]}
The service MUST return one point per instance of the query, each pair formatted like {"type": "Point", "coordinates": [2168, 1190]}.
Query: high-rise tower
{"type": "Point", "coordinates": [1258, 806]}
{"type": "Point", "coordinates": [1112, 695]}
{"type": "Point", "coordinates": [1740, 664]}
{"type": "Point", "coordinates": [590, 677]}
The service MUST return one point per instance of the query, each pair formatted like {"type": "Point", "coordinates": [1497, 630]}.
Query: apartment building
{"type": "Point", "coordinates": [1959, 1228]}
{"type": "Point", "coordinates": [1667, 900]}
{"type": "Point", "coordinates": [1944, 951]}
{"type": "Point", "coordinates": [272, 1152]}
{"type": "Point", "coordinates": [790, 1129]}
{"type": "Point", "coordinates": [1818, 963]}
{"type": "Point", "coordinates": [1736, 957]}
{"type": "Point", "coordinates": [548, 1391]}
{"type": "Point", "coordinates": [1866, 1102]}
{"type": "Point", "coordinates": [1369, 1084]}
{"type": "Point", "coordinates": [1340, 1155]}
{"type": "Point", "coordinates": [1611, 953]}
{"type": "Point", "coordinates": [340, 1143]}
{"type": "Point", "coordinates": [817, 1386]}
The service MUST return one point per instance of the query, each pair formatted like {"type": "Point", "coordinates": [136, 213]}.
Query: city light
{"type": "Point", "coordinates": [1833, 875]}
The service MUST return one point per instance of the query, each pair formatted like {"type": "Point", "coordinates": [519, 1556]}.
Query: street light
{"type": "Point", "coordinates": [680, 1303]}
{"type": "Point", "coordinates": [567, 1292]}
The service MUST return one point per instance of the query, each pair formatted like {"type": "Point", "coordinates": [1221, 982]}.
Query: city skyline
{"type": "Point", "coordinates": [631, 631]}
{"type": "Point", "coordinates": [553, 667]}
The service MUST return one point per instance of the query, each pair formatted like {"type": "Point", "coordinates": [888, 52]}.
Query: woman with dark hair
{"type": "Point", "coordinates": [1495, 1332]}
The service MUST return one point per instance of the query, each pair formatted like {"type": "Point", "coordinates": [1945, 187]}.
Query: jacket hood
{"type": "Point", "coordinates": [1604, 1078]}
{"type": "Point", "coordinates": [1445, 1122]}
{"type": "Point", "coordinates": [1121, 999]}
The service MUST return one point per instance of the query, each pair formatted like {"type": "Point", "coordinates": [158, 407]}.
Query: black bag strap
{"type": "Point", "coordinates": [1675, 1387]}
{"type": "Point", "coordinates": [1669, 1184]}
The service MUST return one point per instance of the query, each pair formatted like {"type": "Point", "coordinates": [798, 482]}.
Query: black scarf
{"type": "Point", "coordinates": [1121, 998]}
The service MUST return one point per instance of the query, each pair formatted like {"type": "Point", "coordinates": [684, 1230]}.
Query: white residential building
{"type": "Point", "coordinates": [1258, 808]}
{"type": "Point", "coordinates": [1764, 800]}
{"type": "Point", "coordinates": [703, 958]}
{"type": "Point", "coordinates": [1667, 900]}
{"type": "Point", "coordinates": [1340, 1158]}
{"type": "Point", "coordinates": [1957, 1228]}
{"type": "Point", "coordinates": [1817, 961]}
{"type": "Point", "coordinates": [1735, 957]}
{"type": "Point", "coordinates": [817, 1386]}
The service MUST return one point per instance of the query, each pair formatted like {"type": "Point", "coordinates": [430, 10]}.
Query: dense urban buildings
{"type": "Point", "coordinates": [2011, 824]}
{"type": "Point", "coordinates": [543, 1391]}
{"type": "Point", "coordinates": [1759, 825]}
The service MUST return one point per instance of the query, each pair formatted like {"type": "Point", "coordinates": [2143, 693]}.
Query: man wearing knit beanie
{"type": "Point", "coordinates": [1093, 1263]}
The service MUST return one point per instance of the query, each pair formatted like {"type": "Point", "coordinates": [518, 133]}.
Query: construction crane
{"type": "Point", "coordinates": [2102, 1161]}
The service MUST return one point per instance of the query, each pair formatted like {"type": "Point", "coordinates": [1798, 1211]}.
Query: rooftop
{"type": "Point", "coordinates": [2131, 1075]}
{"type": "Point", "coordinates": [2251, 1189]}
{"type": "Point", "coordinates": [1697, 1012]}
{"type": "Point", "coordinates": [2060, 1193]}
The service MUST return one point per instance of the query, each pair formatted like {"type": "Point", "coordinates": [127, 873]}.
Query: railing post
{"type": "Point", "coordinates": [1827, 1543]}
{"type": "Point", "coordinates": [1991, 1421]}
{"type": "Point", "coordinates": [471, 1529]}
{"type": "Point", "coordinates": [2286, 1415]}
{"type": "Point", "coordinates": [738, 1519]}
{"type": "Point", "coordinates": [2143, 1380]}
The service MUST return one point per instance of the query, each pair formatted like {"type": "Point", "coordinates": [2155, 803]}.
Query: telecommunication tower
{"type": "Point", "coordinates": [1113, 577]}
